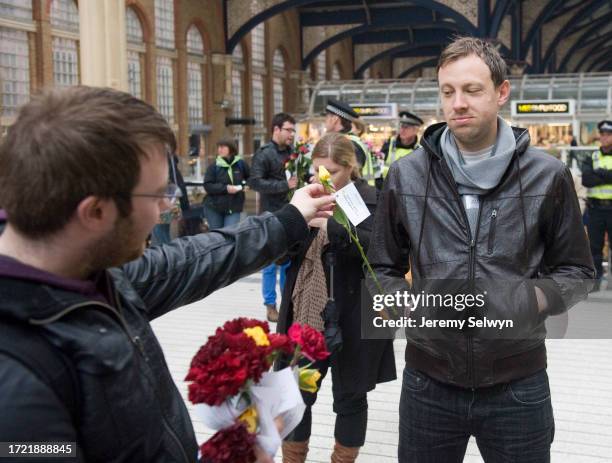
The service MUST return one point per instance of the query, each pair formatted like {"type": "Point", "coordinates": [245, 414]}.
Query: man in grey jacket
{"type": "Point", "coordinates": [493, 228]}
{"type": "Point", "coordinates": [76, 279]}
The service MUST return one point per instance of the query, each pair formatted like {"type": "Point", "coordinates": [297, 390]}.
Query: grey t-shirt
{"type": "Point", "coordinates": [470, 201]}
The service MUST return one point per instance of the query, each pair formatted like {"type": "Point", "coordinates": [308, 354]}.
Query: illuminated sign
{"type": "Point", "coordinates": [376, 111]}
{"type": "Point", "coordinates": [543, 108]}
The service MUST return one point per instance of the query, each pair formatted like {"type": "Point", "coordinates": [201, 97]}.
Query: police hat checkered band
{"type": "Point", "coordinates": [605, 126]}
{"type": "Point", "coordinates": [338, 112]}
{"type": "Point", "coordinates": [409, 119]}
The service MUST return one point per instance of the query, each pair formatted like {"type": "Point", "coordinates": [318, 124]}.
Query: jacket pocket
{"type": "Point", "coordinates": [492, 225]}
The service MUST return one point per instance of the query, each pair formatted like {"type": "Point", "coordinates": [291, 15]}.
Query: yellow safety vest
{"type": "Point", "coordinates": [601, 191]}
{"type": "Point", "coordinates": [395, 153]}
{"type": "Point", "coordinates": [367, 171]}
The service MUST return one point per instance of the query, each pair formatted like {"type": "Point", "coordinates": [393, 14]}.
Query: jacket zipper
{"type": "Point", "coordinates": [471, 266]}
{"type": "Point", "coordinates": [492, 231]}
{"type": "Point", "coordinates": [136, 341]}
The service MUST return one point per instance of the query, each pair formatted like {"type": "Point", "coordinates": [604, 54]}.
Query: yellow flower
{"type": "Point", "coordinates": [324, 174]}
{"type": "Point", "coordinates": [308, 379]}
{"type": "Point", "coordinates": [249, 417]}
{"type": "Point", "coordinates": [258, 335]}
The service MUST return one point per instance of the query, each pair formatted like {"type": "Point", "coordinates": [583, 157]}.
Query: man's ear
{"type": "Point", "coordinates": [504, 93]}
{"type": "Point", "coordinates": [96, 214]}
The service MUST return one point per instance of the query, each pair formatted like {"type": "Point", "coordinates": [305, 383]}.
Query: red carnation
{"type": "Point", "coordinates": [310, 340]}
{"type": "Point", "coordinates": [293, 156]}
{"type": "Point", "coordinates": [282, 343]}
{"type": "Point", "coordinates": [230, 445]}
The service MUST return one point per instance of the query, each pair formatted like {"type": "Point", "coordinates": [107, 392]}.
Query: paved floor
{"type": "Point", "coordinates": [580, 372]}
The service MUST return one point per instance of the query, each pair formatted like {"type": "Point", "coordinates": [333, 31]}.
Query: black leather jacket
{"type": "Point", "coordinates": [130, 409]}
{"type": "Point", "coordinates": [529, 233]}
{"type": "Point", "coordinates": [268, 176]}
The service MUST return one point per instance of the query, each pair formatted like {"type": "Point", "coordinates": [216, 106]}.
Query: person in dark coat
{"type": "Point", "coordinates": [224, 183]}
{"type": "Point", "coordinates": [360, 364]}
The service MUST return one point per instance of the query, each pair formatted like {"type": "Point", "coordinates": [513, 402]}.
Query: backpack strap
{"type": "Point", "coordinates": [30, 348]}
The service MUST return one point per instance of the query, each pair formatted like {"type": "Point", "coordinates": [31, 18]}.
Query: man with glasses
{"type": "Point", "coordinates": [269, 179]}
{"type": "Point", "coordinates": [79, 362]}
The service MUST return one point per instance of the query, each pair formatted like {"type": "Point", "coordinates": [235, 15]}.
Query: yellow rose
{"type": "Point", "coordinates": [308, 379]}
{"type": "Point", "coordinates": [258, 335]}
{"type": "Point", "coordinates": [249, 417]}
{"type": "Point", "coordinates": [324, 174]}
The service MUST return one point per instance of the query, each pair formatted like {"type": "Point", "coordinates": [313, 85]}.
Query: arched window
{"type": "Point", "coordinates": [16, 9]}
{"type": "Point", "coordinates": [321, 63]}
{"type": "Point", "coordinates": [195, 77]}
{"type": "Point", "coordinates": [64, 15]}
{"type": "Point", "coordinates": [135, 52]}
{"type": "Point", "coordinates": [165, 88]}
{"type": "Point", "coordinates": [335, 72]}
{"type": "Point", "coordinates": [238, 69]}
{"type": "Point", "coordinates": [279, 75]}
{"type": "Point", "coordinates": [258, 62]}
{"type": "Point", "coordinates": [65, 18]}
{"type": "Point", "coordinates": [164, 23]}
{"type": "Point", "coordinates": [258, 45]}
{"type": "Point", "coordinates": [14, 70]}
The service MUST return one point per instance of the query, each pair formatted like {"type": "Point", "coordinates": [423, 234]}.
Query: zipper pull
{"type": "Point", "coordinates": [494, 213]}
{"type": "Point", "coordinates": [472, 243]}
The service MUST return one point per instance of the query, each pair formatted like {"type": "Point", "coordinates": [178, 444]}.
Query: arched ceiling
{"type": "Point", "coordinates": [538, 36]}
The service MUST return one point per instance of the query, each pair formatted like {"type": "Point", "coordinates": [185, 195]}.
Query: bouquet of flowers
{"type": "Point", "coordinates": [299, 163]}
{"type": "Point", "coordinates": [236, 394]}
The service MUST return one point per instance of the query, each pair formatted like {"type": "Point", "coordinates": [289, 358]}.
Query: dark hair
{"type": "Point", "coordinates": [279, 119]}
{"type": "Point", "coordinates": [72, 143]}
{"type": "Point", "coordinates": [231, 145]}
{"type": "Point", "coordinates": [347, 125]}
{"type": "Point", "coordinates": [466, 46]}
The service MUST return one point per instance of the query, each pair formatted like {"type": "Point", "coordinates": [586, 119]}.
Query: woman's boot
{"type": "Point", "coordinates": [344, 454]}
{"type": "Point", "coordinates": [294, 452]}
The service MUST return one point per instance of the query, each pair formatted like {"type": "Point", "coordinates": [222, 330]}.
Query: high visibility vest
{"type": "Point", "coordinates": [601, 191]}
{"type": "Point", "coordinates": [367, 171]}
{"type": "Point", "coordinates": [395, 153]}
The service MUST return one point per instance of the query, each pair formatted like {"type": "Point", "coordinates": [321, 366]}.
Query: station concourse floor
{"type": "Point", "coordinates": [580, 372]}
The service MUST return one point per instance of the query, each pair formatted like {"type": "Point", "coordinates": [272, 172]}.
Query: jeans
{"type": "Point", "coordinates": [511, 422]}
{"type": "Point", "coordinates": [160, 234]}
{"type": "Point", "coordinates": [600, 221]}
{"type": "Point", "coordinates": [351, 411]}
{"type": "Point", "coordinates": [217, 220]}
{"type": "Point", "coordinates": [268, 288]}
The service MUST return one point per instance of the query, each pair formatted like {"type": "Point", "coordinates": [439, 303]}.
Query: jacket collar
{"type": "Point", "coordinates": [30, 293]}
{"type": "Point", "coordinates": [431, 139]}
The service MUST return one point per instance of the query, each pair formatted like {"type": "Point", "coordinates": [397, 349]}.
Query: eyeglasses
{"type": "Point", "coordinates": [288, 129]}
{"type": "Point", "coordinates": [173, 192]}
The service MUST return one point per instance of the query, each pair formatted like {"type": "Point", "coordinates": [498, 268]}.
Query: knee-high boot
{"type": "Point", "coordinates": [344, 454]}
{"type": "Point", "coordinates": [294, 452]}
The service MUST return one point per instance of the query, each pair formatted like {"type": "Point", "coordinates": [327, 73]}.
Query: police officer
{"type": "Point", "coordinates": [403, 144]}
{"type": "Point", "coordinates": [597, 177]}
{"type": "Point", "coordinates": [339, 117]}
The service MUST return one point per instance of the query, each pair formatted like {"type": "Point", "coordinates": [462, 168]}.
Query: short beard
{"type": "Point", "coordinates": [115, 248]}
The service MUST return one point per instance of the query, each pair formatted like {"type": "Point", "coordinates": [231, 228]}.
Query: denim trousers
{"type": "Point", "coordinates": [268, 288]}
{"type": "Point", "coordinates": [511, 422]}
{"type": "Point", "coordinates": [217, 220]}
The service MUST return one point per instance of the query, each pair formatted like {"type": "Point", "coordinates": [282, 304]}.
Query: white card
{"type": "Point", "coordinates": [349, 199]}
